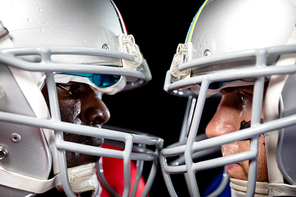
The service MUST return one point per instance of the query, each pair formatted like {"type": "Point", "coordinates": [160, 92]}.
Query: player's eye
{"type": "Point", "coordinates": [64, 87]}
{"type": "Point", "coordinates": [244, 97]}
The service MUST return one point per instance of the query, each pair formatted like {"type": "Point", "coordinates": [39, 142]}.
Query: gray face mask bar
{"type": "Point", "coordinates": [190, 146]}
{"type": "Point", "coordinates": [9, 56]}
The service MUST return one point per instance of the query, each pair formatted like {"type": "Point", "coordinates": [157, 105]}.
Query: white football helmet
{"type": "Point", "coordinates": [43, 42]}
{"type": "Point", "coordinates": [237, 43]}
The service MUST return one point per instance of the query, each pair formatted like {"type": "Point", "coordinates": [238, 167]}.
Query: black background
{"type": "Point", "coordinates": [158, 28]}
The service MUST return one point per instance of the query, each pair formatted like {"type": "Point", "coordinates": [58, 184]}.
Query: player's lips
{"type": "Point", "coordinates": [231, 166]}
{"type": "Point", "coordinates": [230, 149]}
{"type": "Point", "coordinates": [94, 141]}
{"type": "Point", "coordinates": [82, 139]}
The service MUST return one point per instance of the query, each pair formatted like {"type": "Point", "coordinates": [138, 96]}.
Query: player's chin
{"type": "Point", "coordinates": [236, 171]}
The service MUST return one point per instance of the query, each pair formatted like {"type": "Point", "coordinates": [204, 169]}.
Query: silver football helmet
{"type": "Point", "coordinates": [229, 44]}
{"type": "Point", "coordinates": [48, 42]}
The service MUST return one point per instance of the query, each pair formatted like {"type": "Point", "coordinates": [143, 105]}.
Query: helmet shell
{"type": "Point", "coordinates": [227, 25]}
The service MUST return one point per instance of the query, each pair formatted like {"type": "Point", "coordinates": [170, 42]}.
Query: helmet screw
{"type": "Point", "coordinates": [207, 53]}
{"type": "Point", "coordinates": [106, 46]}
{"type": "Point", "coordinates": [15, 137]}
{"type": "Point", "coordinates": [3, 153]}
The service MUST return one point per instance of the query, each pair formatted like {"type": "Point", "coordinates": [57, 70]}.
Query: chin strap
{"type": "Point", "coordinates": [239, 188]}
{"type": "Point", "coordinates": [26, 183]}
{"type": "Point", "coordinates": [84, 178]}
{"type": "Point", "coordinates": [281, 189]}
